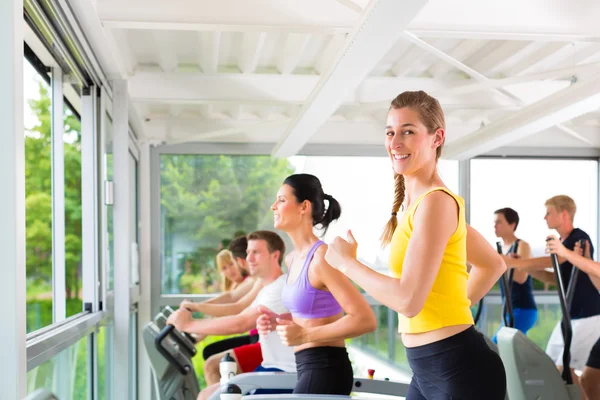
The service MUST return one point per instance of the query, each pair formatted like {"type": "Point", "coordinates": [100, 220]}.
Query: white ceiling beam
{"type": "Point", "coordinates": [210, 44]}
{"type": "Point", "coordinates": [294, 46]}
{"type": "Point", "coordinates": [571, 132]}
{"type": "Point", "coordinates": [516, 57]}
{"type": "Point", "coordinates": [252, 44]}
{"type": "Point", "coordinates": [545, 20]}
{"type": "Point", "coordinates": [482, 34]}
{"type": "Point", "coordinates": [414, 55]}
{"type": "Point", "coordinates": [198, 88]}
{"type": "Point", "coordinates": [351, 5]}
{"type": "Point", "coordinates": [335, 44]}
{"type": "Point", "coordinates": [454, 62]}
{"type": "Point", "coordinates": [167, 59]}
{"type": "Point", "coordinates": [546, 56]}
{"type": "Point", "coordinates": [583, 53]}
{"type": "Point", "coordinates": [339, 130]}
{"type": "Point", "coordinates": [121, 53]}
{"type": "Point", "coordinates": [556, 74]}
{"type": "Point", "coordinates": [307, 16]}
{"type": "Point", "coordinates": [490, 62]}
{"type": "Point", "coordinates": [463, 50]}
{"type": "Point", "coordinates": [180, 131]}
{"type": "Point", "coordinates": [378, 30]}
{"type": "Point", "coordinates": [569, 103]}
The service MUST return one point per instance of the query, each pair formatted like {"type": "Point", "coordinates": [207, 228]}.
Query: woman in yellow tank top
{"type": "Point", "coordinates": [430, 243]}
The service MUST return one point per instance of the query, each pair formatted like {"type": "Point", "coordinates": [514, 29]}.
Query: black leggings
{"type": "Point", "coordinates": [228, 344]}
{"type": "Point", "coordinates": [459, 367]}
{"type": "Point", "coordinates": [324, 370]}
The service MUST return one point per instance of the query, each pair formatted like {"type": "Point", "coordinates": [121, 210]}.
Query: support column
{"type": "Point", "coordinates": [464, 185]}
{"type": "Point", "coordinates": [13, 368]}
{"type": "Point", "coordinates": [144, 305]}
{"type": "Point", "coordinates": [122, 248]}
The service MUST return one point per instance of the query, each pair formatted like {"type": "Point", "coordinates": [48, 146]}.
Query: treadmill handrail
{"type": "Point", "coordinates": [573, 279]}
{"type": "Point", "coordinates": [183, 338]}
{"type": "Point", "coordinates": [507, 310]}
{"type": "Point", "coordinates": [479, 310]}
{"type": "Point", "coordinates": [565, 323]}
{"type": "Point", "coordinates": [183, 369]}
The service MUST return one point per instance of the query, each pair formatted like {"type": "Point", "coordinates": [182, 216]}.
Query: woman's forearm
{"type": "Point", "coordinates": [383, 288]}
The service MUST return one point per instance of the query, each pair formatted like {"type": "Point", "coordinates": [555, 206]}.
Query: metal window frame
{"type": "Point", "coordinates": [44, 347]}
{"type": "Point", "coordinates": [59, 305]}
{"type": "Point", "coordinates": [122, 294]}
{"type": "Point", "coordinates": [13, 373]}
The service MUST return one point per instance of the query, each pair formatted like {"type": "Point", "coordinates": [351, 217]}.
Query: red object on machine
{"type": "Point", "coordinates": [371, 373]}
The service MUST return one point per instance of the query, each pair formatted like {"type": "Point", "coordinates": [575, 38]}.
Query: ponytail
{"type": "Point", "coordinates": [334, 211]}
{"type": "Point", "coordinates": [390, 227]}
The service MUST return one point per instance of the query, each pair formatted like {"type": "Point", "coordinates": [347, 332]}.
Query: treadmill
{"type": "Point", "coordinates": [170, 357]}
{"type": "Point", "coordinates": [530, 373]}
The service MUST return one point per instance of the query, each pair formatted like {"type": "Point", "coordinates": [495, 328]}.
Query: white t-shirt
{"type": "Point", "coordinates": [274, 353]}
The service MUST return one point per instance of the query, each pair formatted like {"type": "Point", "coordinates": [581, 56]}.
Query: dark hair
{"type": "Point", "coordinates": [238, 246]}
{"type": "Point", "coordinates": [308, 187]}
{"type": "Point", "coordinates": [274, 242]}
{"type": "Point", "coordinates": [432, 116]}
{"type": "Point", "coordinates": [511, 216]}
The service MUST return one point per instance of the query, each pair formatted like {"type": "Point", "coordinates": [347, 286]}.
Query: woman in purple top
{"type": "Point", "coordinates": [325, 307]}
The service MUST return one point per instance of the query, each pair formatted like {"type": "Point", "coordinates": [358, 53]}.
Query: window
{"type": "Point", "coordinates": [38, 192]}
{"type": "Point", "coordinates": [206, 200]}
{"type": "Point", "coordinates": [497, 183]}
{"type": "Point", "coordinates": [73, 233]}
{"type": "Point", "coordinates": [66, 374]}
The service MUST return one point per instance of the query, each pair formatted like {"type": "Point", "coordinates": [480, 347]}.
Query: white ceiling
{"type": "Point", "coordinates": [292, 72]}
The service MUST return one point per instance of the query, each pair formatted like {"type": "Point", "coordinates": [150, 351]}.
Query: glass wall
{"type": "Point", "coordinates": [525, 185]}
{"type": "Point", "coordinates": [206, 200]}
{"type": "Point", "coordinates": [73, 234]}
{"type": "Point", "coordinates": [66, 374]}
{"type": "Point", "coordinates": [38, 192]}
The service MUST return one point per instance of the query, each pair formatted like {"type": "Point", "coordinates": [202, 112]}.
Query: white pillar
{"type": "Point", "coordinates": [144, 310]}
{"type": "Point", "coordinates": [464, 185]}
{"type": "Point", "coordinates": [13, 369]}
{"type": "Point", "coordinates": [122, 248]}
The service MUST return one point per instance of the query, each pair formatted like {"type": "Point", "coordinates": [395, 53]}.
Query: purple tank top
{"type": "Point", "coordinates": [303, 300]}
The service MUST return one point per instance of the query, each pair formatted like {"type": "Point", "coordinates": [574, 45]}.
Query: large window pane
{"type": "Point", "coordinates": [206, 200]}
{"type": "Point", "coordinates": [66, 374]}
{"type": "Point", "coordinates": [38, 202]}
{"type": "Point", "coordinates": [525, 185]}
{"type": "Point", "coordinates": [364, 187]}
{"type": "Point", "coordinates": [72, 151]}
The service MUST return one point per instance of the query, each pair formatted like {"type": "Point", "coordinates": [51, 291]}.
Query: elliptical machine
{"type": "Point", "coordinates": [530, 373]}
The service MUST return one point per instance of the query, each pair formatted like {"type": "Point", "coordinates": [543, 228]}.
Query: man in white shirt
{"type": "Point", "coordinates": [265, 254]}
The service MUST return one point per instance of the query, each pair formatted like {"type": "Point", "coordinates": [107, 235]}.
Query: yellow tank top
{"type": "Point", "coordinates": [447, 304]}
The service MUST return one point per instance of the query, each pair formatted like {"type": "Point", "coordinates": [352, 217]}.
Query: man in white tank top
{"type": "Point", "coordinates": [265, 252]}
